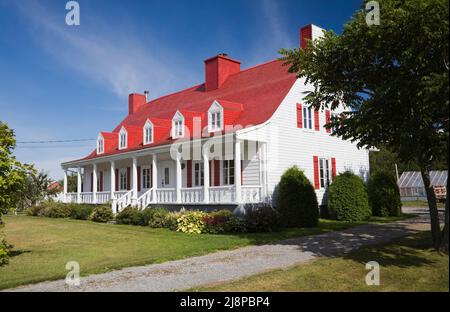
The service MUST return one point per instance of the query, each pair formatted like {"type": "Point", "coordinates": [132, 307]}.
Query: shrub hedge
{"type": "Point", "coordinates": [262, 219]}
{"type": "Point", "coordinates": [297, 200]}
{"type": "Point", "coordinates": [80, 212]}
{"type": "Point", "coordinates": [347, 198]}
{"type": "Point", "coordinates": [384, 194]}
{"type": "Point", "coordinates": [101, 213]}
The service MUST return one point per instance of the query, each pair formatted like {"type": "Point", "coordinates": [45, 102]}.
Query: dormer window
{"type": "Point", "coordinates": [215, 117]}
{"type": "Point", "coordinates": [148, 133]}
{"type": "Point", "coordinates": [177, 125]}
{"type": "Point", "coordinates": [100, 145]}
{"type": "Point", "coordinates": [123, 138]}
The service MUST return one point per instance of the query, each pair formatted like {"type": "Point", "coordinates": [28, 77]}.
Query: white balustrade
{"type": "Point", "coordinates": [222, 194]}
{"type": "Point", "coordinates": [87, 198]}
{"type": "Point", "coordinates": [124, 201]}
{"type": "Point", "coordinates": [166, 195]}
{"type": "Point", "coordinates": [251, 194]}
{"type": "Point", "coordinates": [71, 197]}
{"type": "Point", "coordinates": [192, 195]}
{"type": "Point", "coordinates": [103, 197]}
{"type": "Point", "coordinates": [145, 199]}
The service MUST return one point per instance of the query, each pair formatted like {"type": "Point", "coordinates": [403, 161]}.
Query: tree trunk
{"type": "Point", "coordinates": [432, 205]}
{"type": "Point", "coordinates": [444, 238]}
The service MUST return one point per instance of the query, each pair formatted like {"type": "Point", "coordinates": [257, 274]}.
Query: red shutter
{"type": "Point", "coordinates": [316, 119]}
{"type": "Point", "coordinates": [216, 172]}
{"type": "Point", "coordinates": [242, 172]}
{"type": "Point", "coordinates": [299, 115]}
{"type": "Point", "coordinates": [333, 167]}
{"type": "Point", "coordinates": [316, 172]}
{"type": "Point", "coordinates": [128, 178]}
{"type": "Point", "coordinates": [327, 119]}
{"type": "Point", "coordinates": [189, 173]}
{"type": "Point", "coordinates": [92, 181]}
{"type": "Point", "coordinates": [117, 179]}
{"type": "Point", "coordinates": [210, 173]}
{"type": "Point", "coordinates": [139, 178]}
{"type": "Point", "coordinates": [101, 181]}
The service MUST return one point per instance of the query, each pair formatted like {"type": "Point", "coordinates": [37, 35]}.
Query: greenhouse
{"type": "Point", "coordinates": [411, 185]}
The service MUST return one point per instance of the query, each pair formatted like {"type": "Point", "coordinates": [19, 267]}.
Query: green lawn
{"type": "Point", "coordinates": [44, 245]}
{"type": "Point", "coordinates": [420, 203]}
{"type": "Point", "coordinates": [408, 264]}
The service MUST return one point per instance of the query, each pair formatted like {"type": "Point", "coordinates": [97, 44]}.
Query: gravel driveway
{"type": "Point", "coordinates": [228, 265]}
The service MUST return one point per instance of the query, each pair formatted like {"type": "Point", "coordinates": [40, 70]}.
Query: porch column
{"type": "Point", "coordinates": [113, 179]}
{"type": "Point", "coordinates": [205, 157]}
{"type": "Point", "coordinates": [154, 177]}
{"type": "Point", "coordinates": [65, 186]}
{"type": "Point", "coordinates": [94, 184]}
{"type": "Point", "coordinates": [179, 177]}
{"type": "Point", "coordinates": [79, 185]}
{"type": "Point", "coordinates": [237, 170]}
{"type": "Point", "coordinates": [134, 186]}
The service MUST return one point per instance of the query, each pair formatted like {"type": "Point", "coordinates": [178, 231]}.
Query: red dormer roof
{"type": "Point", "coordinates": [249, 97]}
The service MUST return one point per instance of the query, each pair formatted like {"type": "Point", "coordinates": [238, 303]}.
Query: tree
{"type": "Point", "coordinates": [392, 80]}
{"type": "Point", "coordinates": [34, 189]}
{"type": "Point", "coordinates": [12, 172]}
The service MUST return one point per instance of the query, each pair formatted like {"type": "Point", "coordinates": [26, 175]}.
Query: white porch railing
{"type": "Point", "coordinates": [124, 201]}
{"type": "Point", "coordinates": [251, 194]}
{"type": "Point", "coordinates": [145, 199]}
{"type": "Point", "coordinates": [166, 195]}
{"type": "Point", "coordinates": [222, 194]}
{"type": "Point", "coordinates": [103, 197]}
{"type": "Point", "coordinates": [71, 197]}
{"type": "Point", "coordinates": [87, 198]}
{"type": "Point", "coordinates": [192, 195]}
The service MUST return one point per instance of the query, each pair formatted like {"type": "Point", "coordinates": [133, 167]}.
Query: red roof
{"type": "Point", "coordinates": [249, 97]}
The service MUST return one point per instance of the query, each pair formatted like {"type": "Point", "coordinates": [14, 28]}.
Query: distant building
{"type": "Point", "coordinates": [411, 185]}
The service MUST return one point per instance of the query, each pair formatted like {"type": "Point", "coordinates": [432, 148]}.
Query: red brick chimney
{"type": "Point", "coordinates": [305, 35]}
{"type": "Point", "coordinates": [218, 69]}
{"type": "Point", "coordinates": [135, 102]}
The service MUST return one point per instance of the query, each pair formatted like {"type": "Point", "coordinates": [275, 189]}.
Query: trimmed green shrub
{"type": "Point", "coordinates": [235, 224]}
{"type": "Point", "coordinates": [80, 212]}
{"type": "Point", "coordinates": [158, 218]}
{"type": "Point", "coordinates": [35, 211]}
{"type": "Point", "coordinates": [191, 222]}
{"type": "Point", "coordinates": [101, 213]}
{"type": "Point", "coordinates": [347, 198]}
{"type": "Point", "coordinates": [262, 219]}
{"type": "Point", "coordinates": [384, 195]}
{"type": "Point", "coordinates": [5, 250]}
{"type": "Point", "coordinates": [297, 200]}
{"type": "Point", "coordinates": [56, 210]}
{"type": "Point", "coordinates": [130, 215]}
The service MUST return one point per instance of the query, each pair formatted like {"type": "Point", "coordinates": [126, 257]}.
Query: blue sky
{"type": "Point", "coordinates": [60, 82]}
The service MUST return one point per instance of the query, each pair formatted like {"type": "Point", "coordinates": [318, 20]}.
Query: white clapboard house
{"type": "Point", "coordinates": [224, 142]}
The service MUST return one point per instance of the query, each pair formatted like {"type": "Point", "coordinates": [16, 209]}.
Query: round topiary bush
{"type": "Point", "coordinates": [297, 200]}
{"type": "Point", "coordinates": [347, 198]}
{"type": "Point", "coordinates": [384, 195]}
{"type": "Point", "coordinates": [102, 214]}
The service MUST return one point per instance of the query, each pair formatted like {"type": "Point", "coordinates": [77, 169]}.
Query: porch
{"type": "Point", "coordinates": [163, 177]}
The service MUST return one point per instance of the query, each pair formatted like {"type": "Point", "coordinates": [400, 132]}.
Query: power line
{"type": "Point", "coordinates": [54, 141]}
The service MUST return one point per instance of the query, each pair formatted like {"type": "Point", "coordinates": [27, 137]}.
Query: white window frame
{"type": "Point", "coordinates": [148, 137]}
{"type": "Point", "coordinates": [307, 117]}
{"type": "Point", "coordinates": [100, 144]}
{"type": "Point", "coordinates": [146, 173]}
{"type": "Point", "coordinates": [228, 172]}
{"type": "Point", "coordinates": [215, 117]}
{"type": "Point", "coordinates": [123, 179]}
{"type": "Point", "coordinates": [324, 172]}
{"type": "Point", "coordinates": [177, 125]}
{"type": "Point", "coordinates": [123, 138]}
{"type": "Point", "coordinates": [198, 175]}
